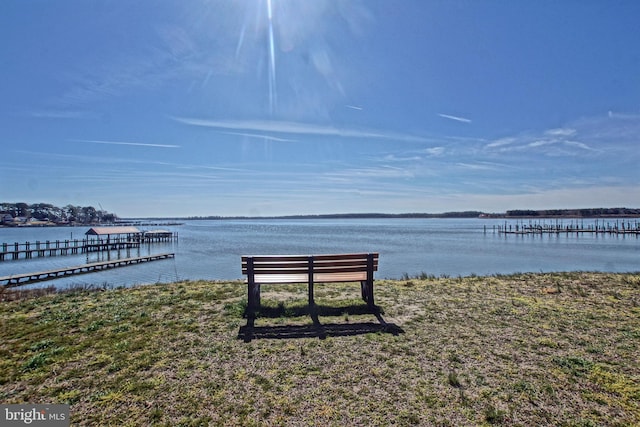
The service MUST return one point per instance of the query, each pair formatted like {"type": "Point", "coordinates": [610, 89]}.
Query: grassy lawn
{"type": "Point", "coordinates": [526, 349]}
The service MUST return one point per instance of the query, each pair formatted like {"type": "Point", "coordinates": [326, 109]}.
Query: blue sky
{"type": "Point", "coordinates": [272, 107]}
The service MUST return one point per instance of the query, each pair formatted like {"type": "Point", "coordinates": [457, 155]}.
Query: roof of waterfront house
{"type": "Point", "coordinates": [101, 231]}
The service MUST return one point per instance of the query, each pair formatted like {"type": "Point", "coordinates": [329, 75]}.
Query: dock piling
{"type": "Point", "coordinates": [28, 250]}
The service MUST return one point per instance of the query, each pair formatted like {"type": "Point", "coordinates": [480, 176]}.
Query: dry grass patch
{"type": "Point", "coordinates": [527, 349]}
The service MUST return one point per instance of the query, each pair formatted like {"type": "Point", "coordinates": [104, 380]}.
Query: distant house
{"type": "Point", "coordinates": [7, 219]}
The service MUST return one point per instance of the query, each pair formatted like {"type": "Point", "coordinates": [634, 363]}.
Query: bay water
{"type": "Point", "coordinates": [211, 249]}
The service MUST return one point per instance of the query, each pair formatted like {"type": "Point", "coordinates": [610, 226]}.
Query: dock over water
{"type": "Point", "coordinates": [26, 278]}
{"type": "Point", "coordinates": [599, 227]}
{"type": "Point", "coordinates": [28, 250]}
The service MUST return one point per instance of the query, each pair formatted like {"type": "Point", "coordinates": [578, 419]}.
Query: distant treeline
{"type": "Point", "coordinates": [466, 214]}
{"type": "Point", "coordinates": [22, 212]}
{"type": "Point", "coordinates": [575, 213]}
{"type": "Point", "coordinates": [91, 215]}
{"type": "Point", "coordinates": [548, 213]}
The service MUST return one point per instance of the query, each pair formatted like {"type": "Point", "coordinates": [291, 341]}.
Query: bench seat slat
{"type": "Point", "coordinates": [328, 270]}
{"type": "Point", "coordinates": [279, 271]}
{"type": "Point", "coordinates": [342, 269]}
{"type": "Point", "coordinates": [304, 270]}
{"type": "Point", "coordinates": [265, 279]}
{"type": "Point", "coordinates": [340, 277]}
{"type": "Point", "coordinates": [292, 265]}
{"type": "Point", "coordinates": [275, 258]}
{"type": "Point", "coordinates": [281, 278]}
{"type": "Point", "coordinates": [316, 262]}
{"type": "Point", "coordinates": [287, 258]}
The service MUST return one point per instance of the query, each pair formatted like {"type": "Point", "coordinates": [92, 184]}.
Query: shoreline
{"type": "Point", "coordinates": [12, 293]}
{"type": "Point", "coordinates": [173, 221]}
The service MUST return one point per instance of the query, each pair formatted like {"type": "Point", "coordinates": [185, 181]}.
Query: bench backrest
{"type": "Point", "coordinates": [306, 268]}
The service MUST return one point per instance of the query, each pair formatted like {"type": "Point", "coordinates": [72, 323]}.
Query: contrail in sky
{"type": "Point", "coordinates": [457, 119]}
{"type": "Point", "coordinates": [260, 136]}
{"type": "Point", "coordinates": [139, 144]}
{"type": "Point", "coordinates": [252, 126]}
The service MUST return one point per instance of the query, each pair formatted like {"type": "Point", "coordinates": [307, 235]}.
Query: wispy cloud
{"type": "Point", "coordinates": [381, 172]}
{"type": "Point", "coordinates": [70, 162]}
{"type": "Point", "coordinates": [627, 116]}
{"type": "Point", "coordinates": [396, 158]}
{"type": "Point", "coordinates": [560, 132]}
{"type": "Point", "coordinates": [354, 107]}
{"type": "Point", "coordinates": [552, 142]}
{"type": "Point", "coordinates": [535, 144]}
{"type": "Point", "coordinates": [580, 145]}
{"type": "Point", "coordinates": [138, 144]}
{"type": "Point", "coordinates": [456, 118]}
{"type": "Point", "coordinates": [613, 133]}
{"type": "Point", "coordinates": [416, 159]}
{"type": "Point", "coordinates": [62, 114]}
{"type": "Point", "coordinates": [435, 151]}
{"type": "Point", "coordinates": [501, 142]}
{"type": "Point", "coordinates": [296, 128]}
{"type": "Point", "coordinates": [484, 166]}
{"type": "Point", "coordinates": [260, 136]}
{"type": "Point", "coordinates": [118, 74]}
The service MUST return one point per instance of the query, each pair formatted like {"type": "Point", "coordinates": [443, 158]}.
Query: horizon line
{"type": "Point", "coordinates": [563, 212]}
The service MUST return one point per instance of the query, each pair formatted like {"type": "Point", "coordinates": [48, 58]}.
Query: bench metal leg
{"type": "Point", "coordinates": [363, 290]}
{"type": "Point", "coordinates": [310, 281]}
{"type": "Point", "coordinates": [366, 289]}
{"type": "Point", "coordinates": [369, 284]}
{"type": "Point", "coordinates": [370, 302]}
{"type": "Point", "coordinates": [311, 300]}
{"type": "Point", "coordinates": [253, 296]}
{"type": "Point", "coordinates": [253, 289]}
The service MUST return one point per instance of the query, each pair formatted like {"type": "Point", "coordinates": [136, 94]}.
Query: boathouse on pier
{"type": "Point", "coordinates": [116, 238]}
{"type": "Point", "coordinates": [129, 234]}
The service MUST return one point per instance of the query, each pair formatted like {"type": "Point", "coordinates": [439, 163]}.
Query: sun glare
{"type": "Point", "coordinates": [272, 60]}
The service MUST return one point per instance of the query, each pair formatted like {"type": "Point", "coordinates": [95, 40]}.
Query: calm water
{"type": "Point", "coordinates": [454, 247]}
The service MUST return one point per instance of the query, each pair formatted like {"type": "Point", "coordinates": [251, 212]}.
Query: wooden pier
{"type": "Point", "coordinates": [597, 227]}
{"type": "Point", "coordinates": [28, 250]}
{"type": "Point", "coordinates": [26, 278]}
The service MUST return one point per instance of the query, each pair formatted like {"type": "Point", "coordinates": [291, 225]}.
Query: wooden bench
{"type": "Point", "coordinates": [310, 269]}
